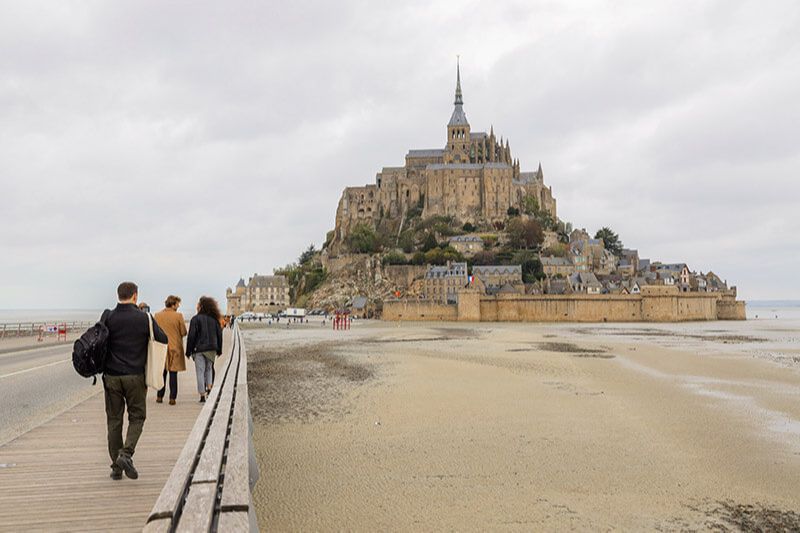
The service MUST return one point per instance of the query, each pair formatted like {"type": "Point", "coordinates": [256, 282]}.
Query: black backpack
{"type": "Point", "coordinates": [90, 351]}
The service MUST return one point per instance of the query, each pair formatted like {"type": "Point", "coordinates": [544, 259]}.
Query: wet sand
{"type": "Point", "coordinates": [525, 427]}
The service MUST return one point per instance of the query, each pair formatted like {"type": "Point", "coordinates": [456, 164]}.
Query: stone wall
{"type": "Point", "coordinates": [418, 310]}
{"type": "Point", "coordinates": [662, 305]}
{"type": "Point", "coordinates": [404, 275]}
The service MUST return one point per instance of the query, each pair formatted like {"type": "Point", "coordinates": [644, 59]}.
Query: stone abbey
{"type": "Point", "coordinates": [474, 179]}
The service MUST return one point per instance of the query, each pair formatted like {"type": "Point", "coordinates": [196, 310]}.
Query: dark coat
{"type": "Point", "coordinates": [205, 335]}
{"type": "Point", "coordinates": [128, 336]}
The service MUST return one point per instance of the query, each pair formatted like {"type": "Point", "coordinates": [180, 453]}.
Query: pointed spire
{"type": "Point", "coordinates": [459, 99]}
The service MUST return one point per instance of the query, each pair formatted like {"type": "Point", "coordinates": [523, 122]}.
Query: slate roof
{"type": "Point", "coordinates": [496, 270]}
{"type": "Point", "coordinates": [268, 281]}
{"type": "Point", "coordinates": [359, 302]}
{"type": "Point", "coordinates": [467, 166]}
{"type": "Point", "coordinates": [431, 152]}
{"type": "Point", "coordinates": [465, 238]}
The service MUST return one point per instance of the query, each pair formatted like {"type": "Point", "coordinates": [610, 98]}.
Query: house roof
{"type": "Point", "coordinates": [432, 152]}
{"type": "Point", "coordinates": [268, 281]}
{"type": "Point", "coordinates": [241, 283]}
{"type": "Point", "coordinates": [496, 270]}
{"type": "Point", "coordinates": [359, 302]}
{"type": "Point", "coordinates": [555, 261]}
{"type": "Point", "coordinates": [465, 238]}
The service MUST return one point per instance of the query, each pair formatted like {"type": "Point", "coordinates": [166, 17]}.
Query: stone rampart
{"type": "Point", "coordinates": [664, 304]}
{"type": "Point", "coordinates": [418, 310]}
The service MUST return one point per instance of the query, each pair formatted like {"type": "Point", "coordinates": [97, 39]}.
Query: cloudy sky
{"type": "Point", "coordinates": [183, 144]}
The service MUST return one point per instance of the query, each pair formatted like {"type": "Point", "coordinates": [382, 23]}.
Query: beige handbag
{"type": "Point", "coordinates": [156, 361]}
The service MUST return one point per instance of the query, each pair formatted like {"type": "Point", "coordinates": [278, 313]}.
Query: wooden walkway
{"type": "Point", "coordinates": [56, 476]}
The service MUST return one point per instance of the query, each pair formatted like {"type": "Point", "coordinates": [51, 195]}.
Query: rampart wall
{"type": "Point", "coordinates": [651, 306]}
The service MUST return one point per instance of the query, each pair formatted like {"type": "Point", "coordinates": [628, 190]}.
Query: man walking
{"type": "Point", "coordinates": [123, 377]}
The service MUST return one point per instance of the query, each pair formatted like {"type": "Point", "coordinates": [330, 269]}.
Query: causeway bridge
{"type": "Point", "coordinates": [196, 461]}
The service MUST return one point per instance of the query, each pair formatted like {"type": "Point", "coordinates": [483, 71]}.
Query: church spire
{"type": "Point", "coordinates": [459, 99]}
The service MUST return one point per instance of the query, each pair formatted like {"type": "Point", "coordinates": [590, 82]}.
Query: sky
{"type": "Point", "coordinates": [182, 145]}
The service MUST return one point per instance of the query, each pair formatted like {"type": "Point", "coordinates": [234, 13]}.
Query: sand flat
{"type": "Point", "coordinates": [436, 426]}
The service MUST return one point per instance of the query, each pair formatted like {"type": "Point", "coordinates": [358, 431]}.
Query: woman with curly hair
{"type": "Point", "coordinates": [204, 343]}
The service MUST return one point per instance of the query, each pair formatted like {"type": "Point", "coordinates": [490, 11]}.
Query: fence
{"type": "Point", "coordinates": [210, 486]}
{"type": "Point", "coordinates": [30, 329]}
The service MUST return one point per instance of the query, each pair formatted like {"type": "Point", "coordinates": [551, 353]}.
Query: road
{"type": "Point", "coordinates": [36, 385]}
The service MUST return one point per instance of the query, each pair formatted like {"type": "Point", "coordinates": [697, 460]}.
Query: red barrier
{"type": "Point", "coordinates": [62, 332]}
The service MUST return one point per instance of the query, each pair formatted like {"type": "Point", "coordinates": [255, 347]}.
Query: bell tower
{"type": "Point", "coordinates": [458, 141]}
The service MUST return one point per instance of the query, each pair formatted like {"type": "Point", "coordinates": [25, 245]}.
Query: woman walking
{"type": "Point", "coordinates": [174, 325]}
{"type": "Point", "coordinates": [204, 343]}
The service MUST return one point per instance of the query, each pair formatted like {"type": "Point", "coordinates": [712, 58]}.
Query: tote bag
{"type": "Point", "coordinates": [156, 361]}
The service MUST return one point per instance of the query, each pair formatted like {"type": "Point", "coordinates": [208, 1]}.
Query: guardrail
{"type": "Point", "coordinates": [29, 329]}
{"type": "Point", "coordinates": [210, 486]}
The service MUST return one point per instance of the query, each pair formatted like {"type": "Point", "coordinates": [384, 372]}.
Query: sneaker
{"type": "Point", "coordinates": [116, 473]}
{"type": "Point", "coordinates": [202, 398]}
{"type": "Point", "coordinates": [172, 401]}
{"type": "Point", "coordinates": [126, 464]}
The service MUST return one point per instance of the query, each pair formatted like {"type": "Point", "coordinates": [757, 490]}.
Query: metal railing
{"type": "Point", "coordinates": [31, 329]}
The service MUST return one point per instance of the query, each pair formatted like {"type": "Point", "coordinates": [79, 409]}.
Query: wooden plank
{"type": "Point", "coordinates": [211, 457]}
{"type": "Point", "coordinates": [158, 526]}
{"type": "Point", "coordinates": [198, 509]}
{"type": "Point", "coordinates": [236, 489]}
{"type": "Point", "coordinates": [172, 491]}
{"type": "Point", "coordinates": [242, 377]}
{"type": "Point", "coordinates": [233, 521]}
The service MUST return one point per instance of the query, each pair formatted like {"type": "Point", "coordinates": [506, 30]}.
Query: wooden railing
{"type": "Point", "coordinates": [210, 486]}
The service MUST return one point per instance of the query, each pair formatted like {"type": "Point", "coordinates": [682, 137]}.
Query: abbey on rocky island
{"type": "Point", "coordinates": [474, 179]}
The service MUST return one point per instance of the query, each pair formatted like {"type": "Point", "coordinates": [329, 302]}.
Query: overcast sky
{"type": "Point", "coordinates": [183, 144]}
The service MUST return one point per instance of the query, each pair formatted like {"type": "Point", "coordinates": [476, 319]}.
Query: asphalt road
{"type": "Point", "coordinates": [37, 384]}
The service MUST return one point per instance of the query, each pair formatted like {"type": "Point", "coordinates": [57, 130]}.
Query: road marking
{"type": "Point", "coordinates": [33, 368]}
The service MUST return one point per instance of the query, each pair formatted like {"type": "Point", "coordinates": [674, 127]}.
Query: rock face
{"type": "Point", "coordinates": [474, 179]}
{"type": "Point", "coordinates": [364, 275]}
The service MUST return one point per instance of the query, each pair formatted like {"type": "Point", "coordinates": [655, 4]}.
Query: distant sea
{"type": "Point", "coordinates": [770, 309]}
{"type": "Point", "coordinates": [13, 316]}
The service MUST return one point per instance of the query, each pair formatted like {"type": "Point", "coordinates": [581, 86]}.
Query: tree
{"type": "Point", "coordinates": [418, 258]}
{"type": "Point", "coordinates": [484, 257]}
{"type": "Point", "coordinates": [468, 227]}
{"type": "Point", "coordinates": [430, 242]}
{"type": "Point", "coordinates": [524, 233]}
{"type": "Point", "coordinates": [532, 270]}
{"type": "Point", "coordinates": [363, 240]}
{"type": "Point", "coordinates": [610, 239]}
{"type": "Point", "coordinates": [512, 212]}
{"type": "Point", "coordinates": [308, 255]}
{"type": "Point", "coordinates": [394, 258]}
{"type": "Point", "coordinates": [530, 206]}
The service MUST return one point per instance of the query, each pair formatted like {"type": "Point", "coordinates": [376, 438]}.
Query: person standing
{"type": "Point", "coordinates": [123, 377]}
{"type": "Point", "coordinates": [204, 343]}
{"type": "Point", "coordinates": [174, 325]}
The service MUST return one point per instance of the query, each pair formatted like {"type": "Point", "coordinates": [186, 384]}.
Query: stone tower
{"type": "Point", "coordinates": [458, 139]}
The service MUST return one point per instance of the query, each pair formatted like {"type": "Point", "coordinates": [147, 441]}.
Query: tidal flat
{"type": "Point", "coordinates": [500, 426]}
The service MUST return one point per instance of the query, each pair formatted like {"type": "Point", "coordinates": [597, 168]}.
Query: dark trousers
{"type": "Point", "coordinates": [173, 385]}
{"type": "Point", "coordinates": [124, 391]}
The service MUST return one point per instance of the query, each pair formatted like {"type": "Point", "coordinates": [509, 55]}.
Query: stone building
{"type": "Point", "coordinates": [473, 178]}
{"type": "Point", "coordinates": [441, 283]}
{"type": "Point", "coordinates": [261, 294]}
{"type": "Point", "coordinates": [494, 277]}
{"type": "Point", "coordinates": [466, 244]}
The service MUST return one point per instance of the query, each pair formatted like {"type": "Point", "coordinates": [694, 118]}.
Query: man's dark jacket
{"type": "Point", "coordinates": [205, 335]}
{"type": "Point", "coordinates": [128, 335]}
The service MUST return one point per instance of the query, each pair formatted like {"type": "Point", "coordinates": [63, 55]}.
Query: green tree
{"type": "Point", "coordinates": [468, 227]}
{"type": "Point", "coordinates": [394, 258]}
{"type": "Point", "coordinates": [307, 255]}
{"type": "Point", "coordinates": [610, 239]}
{"type": "Point", "coordinates": [418, 258]}
{"type": "Point", "coordinates": [512, 212]}
{"type": "Point", "coordinates": [530, 206]}
{"type": "Point", "coordinates": [532, 269]}
{"type": "Point", "coordinates": [363, 239]}
{"type": "Point", "coordinates": [430, 242]}
{"type": "Point", "coordinates": [484, 257]}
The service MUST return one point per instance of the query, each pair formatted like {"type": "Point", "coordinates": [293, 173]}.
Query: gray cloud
{"type": "Point", "coordinates": [184, 144]}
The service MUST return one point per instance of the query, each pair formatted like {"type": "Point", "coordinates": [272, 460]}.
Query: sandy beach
{"type": "Point", "coordinates": [519, 427]}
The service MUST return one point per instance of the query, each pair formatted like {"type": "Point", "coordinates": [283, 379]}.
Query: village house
{"type": "Point", "coordinates": [494, 277]}
{"type": "Point", "coordinates": [261, 294]}
{"type": "Point", "coordinates": [585, 282]}
{"type": "Point", "coordinates": [557, 266]}
{"type": "Point", "coordinates": [441, 283]}
{"type": "Point", "coordinates": [466, 244]}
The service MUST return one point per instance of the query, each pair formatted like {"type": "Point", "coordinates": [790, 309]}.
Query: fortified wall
{"type": "Point", "coordinates": [655, 304]}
